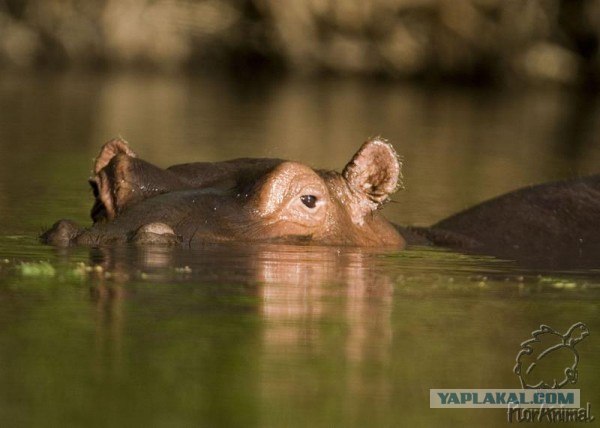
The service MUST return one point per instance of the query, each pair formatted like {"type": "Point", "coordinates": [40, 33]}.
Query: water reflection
{"type": "Point", "coordinates": [576, 133]}
{"type": "Point", "coordinates": [311, 302]}
{"type": "Point", "coordinates": [266, 335]}
{"type": "Point", "coordinates": [294, 293]}
{"type": "Point", "coordinates": [109, 319]}
{"type": "Point", "coordinates": [286, 333]}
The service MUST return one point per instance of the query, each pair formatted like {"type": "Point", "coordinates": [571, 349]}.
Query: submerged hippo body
{"type": "Point", "coordinates": [547, 225]}
{"type": "Point", "coordinates": [283, 201]}
{"type": "Point", "coordinates": [238, 200]}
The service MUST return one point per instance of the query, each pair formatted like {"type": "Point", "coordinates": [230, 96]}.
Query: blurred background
{"type": "Point", "coordinates": [466, 40]}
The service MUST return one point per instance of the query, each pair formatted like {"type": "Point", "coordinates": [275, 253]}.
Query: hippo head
{"type": "Point", "coordinates": [293, 200]}
{"type": "Point", "coordinates": [239, 200]}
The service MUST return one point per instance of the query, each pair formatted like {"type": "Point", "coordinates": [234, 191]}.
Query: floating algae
{"type": "Point", "coordinates": [36, 269]}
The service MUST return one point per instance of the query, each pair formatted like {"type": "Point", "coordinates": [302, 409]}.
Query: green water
{"type": "Point", "coordinates": [269, 335]}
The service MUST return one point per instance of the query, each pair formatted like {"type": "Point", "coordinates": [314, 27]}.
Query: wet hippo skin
{"type": "Point", "coordinates": [547, 225]}
{"type": "Point", "coordinates": [238, 200]}
{"type": "Point", "coordinates": [283, 201]}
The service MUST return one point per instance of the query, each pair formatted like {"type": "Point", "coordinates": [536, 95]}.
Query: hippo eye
{"type": "Point", "coordinates": [309, 200]}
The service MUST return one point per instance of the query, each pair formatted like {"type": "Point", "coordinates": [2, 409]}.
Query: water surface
{"type": "Point", "coordinates": [272, 335]}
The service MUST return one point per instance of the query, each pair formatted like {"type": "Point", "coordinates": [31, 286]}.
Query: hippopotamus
{"type": "Point", "coordinates": [276, 200]}
{"type": "Point", "coordinates": [238, 200]}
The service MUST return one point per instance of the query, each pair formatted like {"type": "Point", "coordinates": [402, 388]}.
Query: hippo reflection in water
{"type": "Point", "coordinates": [283, 201]}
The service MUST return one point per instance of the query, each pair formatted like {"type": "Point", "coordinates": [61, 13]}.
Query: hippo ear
{"type": "Point", "coordinates": [121, 180]}
{"type": "Point", "coordinates": [104, 204]}
{"type": "Point", "coordinates": [374, 172]}
{"type": "Point", "coordinates": [109, 150]}
{"type": "Point", "coordinates": [110, 167]}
